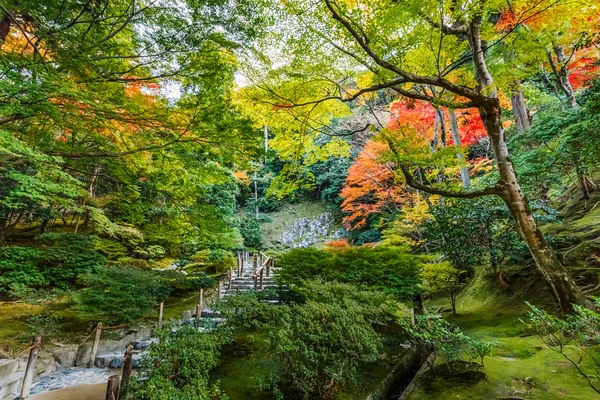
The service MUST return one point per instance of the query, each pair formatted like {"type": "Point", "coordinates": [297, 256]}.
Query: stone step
{"type": "Point", "coordinates": [10, 383]}
{"type": "Point", "coordinates": [249, 287]}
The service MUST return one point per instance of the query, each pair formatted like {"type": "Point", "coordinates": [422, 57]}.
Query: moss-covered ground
{"type": "Point", "coordinates": [520, 367]}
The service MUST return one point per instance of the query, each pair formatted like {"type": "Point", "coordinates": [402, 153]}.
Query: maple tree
{"type": "Point", "coordinates": [370, 187]}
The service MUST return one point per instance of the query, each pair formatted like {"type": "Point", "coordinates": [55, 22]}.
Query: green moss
{"type": "Point", "coordinates": [520, 366]}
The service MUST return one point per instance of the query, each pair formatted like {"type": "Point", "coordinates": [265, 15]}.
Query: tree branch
{"type": "Point", "coordinates": [9, 118]}
{"type": "Point", "coordinates": [467, 92]}
{"type": "Point", "coordinates": [410, 181]}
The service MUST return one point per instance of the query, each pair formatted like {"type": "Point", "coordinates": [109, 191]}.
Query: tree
{"type": "Point", "coordinates": [370, 187]}
{"type": "Point", "coordinates": [365, 35]}
{"type": "Point", "coordinates": [443, 277]}
{"type": "Point", "coordinates": [578, 330]}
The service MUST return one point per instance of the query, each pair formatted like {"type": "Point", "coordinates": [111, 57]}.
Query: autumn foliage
{"type": "Point", "coordinates": [370, 186]}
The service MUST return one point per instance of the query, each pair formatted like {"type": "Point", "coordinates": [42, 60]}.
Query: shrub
{"type": "Point", "coordinates": [19, 271]}
{"type": "Point", "coordinates": [111, 249]}
{"type": "Point", "coordinates": [320, 339]}
{"type": "Point", "coordinates": [433, 337]}
{"type": "Point", "coordinates": [152, 252]}
{"type": "Point", "coordinates": [133, 263]}
{"type": "Point", "coordinates": [443, 277]}
{"type": "Point", "coordinates": [387, 269]}
{"type": "Point", "coordinates": [116, 295]}
{"type": "Point", "coordinates": [55, 264]}
{"type": "Point", "coordinates": [321, 345]}
{"type": "Point", "coordinates": [250, 230]}
{"type": "Point", "coordinates": [211, 261]}
{"type": "Point", "coordinates": [575, 337]}
{"type": "Point", "coordinates": [178, 366]}
{"type": "Point", "coordinates": [66, 256]}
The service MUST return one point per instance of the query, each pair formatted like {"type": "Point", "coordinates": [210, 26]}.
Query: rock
{"type": "Point", "coordinates": [66, 355]}
{"type": "Point", "coordinates": [144, 344]}
{"type": "Point", "coordinates": [45, 364]}
{"type": "Point", "coordinates": [105, 346]}
{"type": "Point", "coordinates": [144, 333]}
{"type": "Point", "coordinates": [118, 361]}
{"type": "Point", "coordinates": [187, 314]}
{"type": "Point", "coordinates": [125, 341]}
{"type": "Point", "coordinates": [107, 360]}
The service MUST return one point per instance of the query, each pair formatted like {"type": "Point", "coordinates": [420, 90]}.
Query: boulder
{"type": "Point", "coordinates": [66, 355]}
{"type": "Point", "coordinates": [105, 346]}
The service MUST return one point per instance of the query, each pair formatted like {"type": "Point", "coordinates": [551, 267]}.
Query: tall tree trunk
{"type": "Point", "coordinates": [519, 109]}
{"type": "Point", "coordinates": [464, 172]}
{"type": "Point", "coordinates": [266, 133]}
{"type": "Point", "coordinates": [561, 285]}
{"type": "Point", "coordinates": [256, 195]}
{"type": "Point", "coordinates": [561, 73]}
{"type": "Point", "coordinates": [44, 226]}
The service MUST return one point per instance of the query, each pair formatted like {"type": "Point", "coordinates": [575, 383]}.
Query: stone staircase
{"type": "Point", "coordinates": [244, 281]}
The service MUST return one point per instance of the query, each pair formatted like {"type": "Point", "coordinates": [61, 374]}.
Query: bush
{"type": "Point", "coordinates": [211, 261]}
{"type": "Point", "coordinates": [321, 345]}
{"type": "Point", "coordinates": [150, 253]}
{"type": "Point", "coordinates": [55, 264]}
{"type": "Point", "coordinates": [114, 295]}
{"type": "Point", "coordinates": [66, 256]}
{"type": "Point", "coordinates": [575, 337]}
{"type": "Point", "coordinates": [133, 263]}
{"type": "Point", "coordinates": [20, 272]}
{"type": "Point", "coordinates": [250, 230]}
{"type": "Point", "coordinates": [178, 366]}
{"type": "Point", "coordinates": [320, 339]}
{"type": "Point", "coordinates": [111, 249]}
{"type": "Point", "coordinates": [433, 338]}
{"type": "Point", "coordinates": [387, 269]}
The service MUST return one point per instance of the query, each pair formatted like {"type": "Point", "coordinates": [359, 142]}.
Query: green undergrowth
{"type": "Point", "coordinates": [520, 366]}
{"type": "Point", "coordinates": [247, 360]}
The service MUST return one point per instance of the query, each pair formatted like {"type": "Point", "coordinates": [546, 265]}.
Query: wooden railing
{"type": "Point", "coordinates": [262, 263]}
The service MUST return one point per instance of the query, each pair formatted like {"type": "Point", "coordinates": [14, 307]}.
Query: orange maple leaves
{"type": "Point", "coordinates": [370, 186]}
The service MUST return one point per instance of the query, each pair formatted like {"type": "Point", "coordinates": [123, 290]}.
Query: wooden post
{"type": "Point", "coordinates": [219, 286]}
{"type": "Point", "coordinates": [30, 371]}
{"type": "Point", "coordinates": [199, 306]}
{"type": "Point", "coordinates": [160, 314]}
{"type": "Point", "coordinates": [112, 388]}
{"type": "Point", "coordinates": [261, 277]}
{"type": "Point", "coordinates": [127, 366]}
{"type": "Point", "coordinates": [230, 278]}
{"type": "Point", "coordinates": [269, 267]}
{"type": "Point", "coordinates": [95, 345]}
